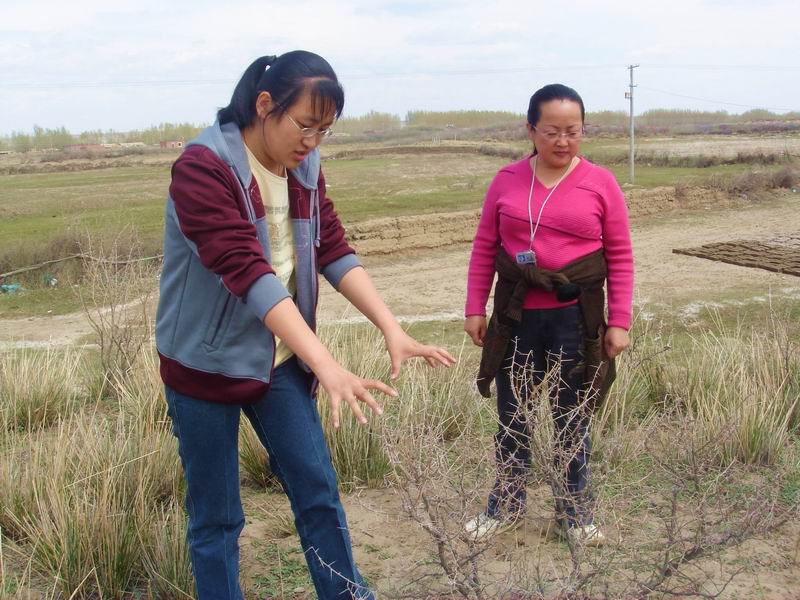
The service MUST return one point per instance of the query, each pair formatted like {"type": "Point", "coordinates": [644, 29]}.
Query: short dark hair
{"type": "Point", "coordinates": [286, 78]}
{"type": "Point", "coordinates": [554, 91]}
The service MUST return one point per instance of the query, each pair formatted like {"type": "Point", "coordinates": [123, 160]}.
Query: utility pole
{"type": "Point", "coordinates": [629, 95]}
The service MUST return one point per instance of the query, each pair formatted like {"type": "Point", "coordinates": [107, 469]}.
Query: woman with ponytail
{"type": "Point", "coordinates": [554, 228]}
{"type": "Point", "coordinates": [248, 228]}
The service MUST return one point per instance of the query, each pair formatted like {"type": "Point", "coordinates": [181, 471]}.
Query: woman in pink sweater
{"type": "Point", "coordinates": [550, 209]}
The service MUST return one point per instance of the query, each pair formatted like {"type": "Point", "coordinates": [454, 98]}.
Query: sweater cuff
{"type": "Point", "coordinates": [339, 268]}
{"type": "Point", "coordinates": [265, 293]}
{"type": "Point", "coordinates": [622, 322]}
{"type": "Point", "coordinates": [471, 309]}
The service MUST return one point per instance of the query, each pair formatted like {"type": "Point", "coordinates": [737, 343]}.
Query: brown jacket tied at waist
{"type": "Point", "coordinates": [582, 279]}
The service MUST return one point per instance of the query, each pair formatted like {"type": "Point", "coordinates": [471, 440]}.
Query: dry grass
{"type": "Point", "coordinates": [91, 495]}
{"type": "Point", "coordinates": [677, 451]}
{"type": "Point", "coordinates": [38, 388]}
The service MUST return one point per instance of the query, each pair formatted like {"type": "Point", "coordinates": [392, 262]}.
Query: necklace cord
{"type": "Point", "coordinates": [534, 229]}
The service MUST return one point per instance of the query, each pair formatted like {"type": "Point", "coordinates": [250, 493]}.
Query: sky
{"type": "Point", "coordinates": [130, 64]}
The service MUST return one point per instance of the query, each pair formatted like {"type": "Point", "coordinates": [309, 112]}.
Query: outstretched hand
{"type": "Point", "coordinates": [402, 346]}
{"type": "Point", "coordinates": [344, 386]}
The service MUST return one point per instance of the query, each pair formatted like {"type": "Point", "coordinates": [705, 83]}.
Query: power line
{"type": "Point", "coordinates": [644, 87]}
{"type": "Point", "coordinates": [351, 76]}
{"type": "Point", "coordinates": [701, 67]}
{"type": "Point", "coordinates": [401, 74]}
{"type": "Point", "coordinates": [104, 84]}
{"type": "Point", "coordinates": [456, 72]}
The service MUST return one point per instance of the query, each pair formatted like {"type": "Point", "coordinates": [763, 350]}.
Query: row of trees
{"type": "Point", "coordinates": [48, 139]}
{"type": "Point", "coordinates": [56, 139]}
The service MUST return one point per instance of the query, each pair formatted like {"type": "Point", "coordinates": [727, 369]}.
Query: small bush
{"type": "Point", "coordinates": [786, 178]}
{"type": "Point", "coordinates": [38, 387]}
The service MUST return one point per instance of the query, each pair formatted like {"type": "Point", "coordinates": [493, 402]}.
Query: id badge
{"type": "Point", "coordinates": [526, 258]}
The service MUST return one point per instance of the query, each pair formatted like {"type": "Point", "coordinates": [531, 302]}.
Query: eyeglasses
{"type": "Point", "coordinates": [552, 136]}
{"type": "Point", "coordinates": [309, 132]}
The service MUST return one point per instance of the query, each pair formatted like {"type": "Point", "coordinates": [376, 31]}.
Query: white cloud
{"type": "Point", "coordinates": [143, 40]}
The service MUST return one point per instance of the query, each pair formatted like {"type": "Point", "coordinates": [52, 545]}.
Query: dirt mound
{"type": "Point", "coordinates": [387, 235]}
{"type": "Point", "coordinates": [396, 150]}
{"type": "Point", "coordinates": [59, 164]}
{"type": "Point", "coordinates": [485, 148]}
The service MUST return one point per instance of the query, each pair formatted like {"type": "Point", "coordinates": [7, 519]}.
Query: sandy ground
{"type": "Point", "coordinates": [393, 551]}
{"type": "Point", "coordinates": [429, 283]}
{"type": "Point", "coordinates": [721, 145]}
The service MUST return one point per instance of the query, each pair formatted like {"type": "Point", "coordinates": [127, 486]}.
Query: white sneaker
{"type": "Point", "coordinates": [483, 525]}
{"type": "Point", "coordinates": [588, 535]}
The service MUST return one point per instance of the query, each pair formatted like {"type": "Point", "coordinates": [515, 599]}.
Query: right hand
{"type": "Point", "coordinates": [342, 385]}
{"type": "Point", "coordinates": [475, 326]}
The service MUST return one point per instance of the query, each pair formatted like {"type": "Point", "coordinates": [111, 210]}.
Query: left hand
{"type": "Point", "coordinates": [616, 341]}
{"type": "Point", "coordinates": [402, 346]}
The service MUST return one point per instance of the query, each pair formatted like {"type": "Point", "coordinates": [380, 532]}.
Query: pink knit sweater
{"type": "Point", "coordinates": [586, 212]}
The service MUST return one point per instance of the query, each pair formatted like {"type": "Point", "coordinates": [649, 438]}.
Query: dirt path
{"type": "Point", "coordinates": [429, 283]}
{"type": "Point", "coordinates": [432, 282]}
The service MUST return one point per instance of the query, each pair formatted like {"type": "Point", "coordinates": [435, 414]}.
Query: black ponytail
{"type": "Point", "coordinates": [285, 77]}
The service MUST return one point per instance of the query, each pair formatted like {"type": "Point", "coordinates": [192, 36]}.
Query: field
{"type": "Point", "coordinates": [697, 453]}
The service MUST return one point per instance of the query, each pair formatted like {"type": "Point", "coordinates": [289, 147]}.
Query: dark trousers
{"type": "Point", "coordinates": [542, 339]}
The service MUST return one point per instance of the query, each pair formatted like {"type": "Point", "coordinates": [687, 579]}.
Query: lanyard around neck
{"type": "Point", "coordinates": [534, 229]}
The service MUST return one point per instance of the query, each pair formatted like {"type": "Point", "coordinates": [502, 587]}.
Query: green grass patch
{"type": "Point", "coordinates": [391, 186]}
{"type": "Point", "coordinates": [40, 301]}
{"type": "Point", "coordinates": [283, 570]}
{"type": "Point", "coordinates": [649, 177]}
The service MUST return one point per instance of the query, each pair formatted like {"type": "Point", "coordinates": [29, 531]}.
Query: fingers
{"type": "Point", "coordinates": [359, 415]}
{"type": "Point", "coordinates": [396, 362]}
{"type": "Point", "coordinates": [335, 412]}
{"type": "Point", "coordinates": [364, 396]}
{"type": "Point", "coordinates": [444, 357]}
{"type": "Point", "coordinates": [374, 384]}
{"type": "Point", "coordinates": [434, 355]}
{"type": "Point", "coordinates": [477, 335]}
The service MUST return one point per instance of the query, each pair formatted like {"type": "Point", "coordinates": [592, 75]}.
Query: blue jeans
{"type": "Point", "coordinates": [541, 338]}
{"type": "Point", "coordinates": [288, 424]}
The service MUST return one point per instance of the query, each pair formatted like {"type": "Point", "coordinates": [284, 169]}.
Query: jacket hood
{"type": "Point", "coordinates": [226, 142]}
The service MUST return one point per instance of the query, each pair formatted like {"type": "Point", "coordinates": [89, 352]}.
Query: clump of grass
{"type": "Point", "coordinates": [166, 555]}
{"type": "Point", "coordinates": [742, 387]}
{"type": "Point", "coordinates": [38, 387]}
{"type": "Point", "coordinates": [754, 182]}
{"type": "Point", "coordinates": [786, 178]}
{"type": "Point", "coordinates": [508, 152]}
{"type": "Point", "coordinates": [442, 396]}
{"type": "Point", "coordinates": [644, 379]}
{"type": "Point", "coordinates": [140, 392]}
{"type": "Point", "coordinates": [81, 498]}
{"type": "Point", "coordinates": [738, 386]}
{"type": "Point", "coordinates": [356, 449]}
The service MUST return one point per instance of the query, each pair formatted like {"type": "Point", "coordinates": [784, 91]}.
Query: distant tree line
{"type": "Point", "coordinates": [656, 121]}
{"type": "Point", "coordinates": [56, 139]}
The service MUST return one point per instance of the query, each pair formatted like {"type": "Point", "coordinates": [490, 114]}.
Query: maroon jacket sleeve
{"type": "Point", "coordinates": [332, 242]}
{"type": "Point", "coordinates": [212, 216]}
